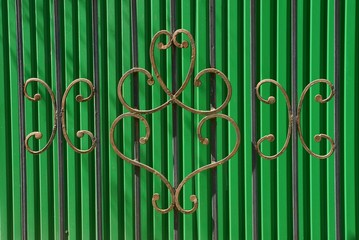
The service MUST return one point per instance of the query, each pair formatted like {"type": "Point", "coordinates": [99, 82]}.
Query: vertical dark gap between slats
{"type": "Point", "coordinates": [136, 130]}
{"type": "Point", "coordinates": [20, 68]}
{"type": "Point", "coordinates": [97, 117]}
{"type": "Point", "coordinates": [59, 125]}
{"type": "Point", "coordinates": [254, 120]}
{"type": "Point", "coordinates": [337, 116]}
{"type": "Point", "coordinates": [213, 141]}
{"type": "Point", "coordinates": [294, 101]}
{"type": "Point", "coordinates": [174, 117]}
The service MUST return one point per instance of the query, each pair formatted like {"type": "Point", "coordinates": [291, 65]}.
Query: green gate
{"type": "Point", "coordinates": [63, 91]}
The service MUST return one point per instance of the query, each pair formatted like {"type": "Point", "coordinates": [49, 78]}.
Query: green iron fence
{"type": "Point", "coordinates": [95, 40]}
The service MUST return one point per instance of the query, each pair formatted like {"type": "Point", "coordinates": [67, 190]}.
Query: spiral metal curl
{"type": "Point", "coordinates": [271, 137]}
{"type": "Point", "coordinates": [318, 137]}
{"type": "Point", "coordinates": [35, 98]}
{"type": "Point", "coordinates": [142, 140]}
{"type": "Point", "coordinates": [204, 140]}
{"type": "Point", "coordinates": [80, 133]}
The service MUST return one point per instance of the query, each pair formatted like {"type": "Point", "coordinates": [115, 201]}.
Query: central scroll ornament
{"type": "Point", "coordinates": [173, 99]}
{"type": "Point", "coordinates": [318, 137]}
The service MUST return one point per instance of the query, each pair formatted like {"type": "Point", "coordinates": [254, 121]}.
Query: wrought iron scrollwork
{"type": "Point", "coordinates": [205, 141]}
{"type": "Point", "coordinates": [173, 99]}
{"type": "Point", "coordinates": [80, 133]}
{"type": "Point", "coordinates": [142, 140]}
{"type": "Point", "coordinates": [79, 98]}
{"type": "Point", "coordinates": [35, 98]}
{"type": "Point", "coordinates": [317, 137]}
{"type": "Point", "coordinates": [271, 137]}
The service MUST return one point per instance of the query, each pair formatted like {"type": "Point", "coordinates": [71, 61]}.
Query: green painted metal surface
{"type": "Point", "coordinates": [315, 177]}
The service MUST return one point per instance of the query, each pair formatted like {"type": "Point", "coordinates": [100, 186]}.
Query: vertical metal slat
{"type": "Point", "coordinates": [337, 116]}
{"type": "Point", "coordinates": [294, 101]}
{"type": "Point", "coordinates": [174, 117]}
{"type": "Point", "coordinates": [20, 67]}
{"type": "Point", "coordinates": [213, 127]}
{"type": "Point", "coordinates": [254, 120]}
{"type": "Point", "coordinates": [97, 117]}
{"type": "Point", "coordinates": [59, 125]}
{"type": "Point", "coordinates": [136, 133]}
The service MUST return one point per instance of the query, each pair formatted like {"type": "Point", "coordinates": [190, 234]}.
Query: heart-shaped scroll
{"type": "Point", "coordinates": [173, 99]}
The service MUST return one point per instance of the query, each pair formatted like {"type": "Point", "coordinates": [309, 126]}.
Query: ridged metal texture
{"type": "Point", "coordinates": [316, 185]}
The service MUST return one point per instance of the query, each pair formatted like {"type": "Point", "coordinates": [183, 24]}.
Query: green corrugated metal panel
{"type": "Point", "coordinates": [315, 177]}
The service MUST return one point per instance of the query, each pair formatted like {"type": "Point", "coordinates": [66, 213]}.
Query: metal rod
{"type": "Point", "coordinates": [20, 67]}
{"type": "Point", "coordinates": [59, 125]}
{"type": "Point", "coordinates": [213, 126]}
{"type": "Point", "coordinates": [294, 113]}
{"type": "Point", "coordinates": [254, 120]}
{"type": "Point", "coordinates": [174, 117]}
{"type": "Point", "coordinates": [337, 116]}
{"type": "Point", "coordinates": [97, 117]}
{"type": "Point", "coordinates": [136, 130]}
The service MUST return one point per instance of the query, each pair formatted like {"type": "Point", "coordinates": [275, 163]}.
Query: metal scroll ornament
{"type": "Point", "coordinates": [79, 98]}
{"type": "Point", "coordinates": [35, 98]}
{"type": "Point", "coordinates": [317, 137]}
{"type": "Point", "coordinates": [271, 137]}
{"type": "Point", "coordinates": [174, 99]}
